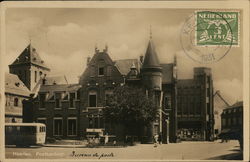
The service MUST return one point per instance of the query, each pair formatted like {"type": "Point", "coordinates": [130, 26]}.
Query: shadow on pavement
{"type": "Point", "coordinates": [232, 156]}
{"type": "Point", "coordinates": [26, 147]}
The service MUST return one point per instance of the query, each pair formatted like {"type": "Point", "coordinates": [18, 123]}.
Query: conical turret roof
{"type": "Point", "coordinates": [151, 59]}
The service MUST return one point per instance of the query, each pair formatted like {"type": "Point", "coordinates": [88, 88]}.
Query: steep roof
{"type": "Point", "coordinates": [219, 102]}
{"type": "Point", "coordinates": [167, 73]}
{"type": "Point", "coordinates": [29, 55]}
{"type": "Point", "coordinates": [124, 65]}
{"type": "Point", "coordinates": [238, 104]}
{"type": "Point", "coordinates": [56, 80]}
{"type": "Point", "coordinates": [60, 88]}
{"type": "Point", "coordinates": [151, 58]}
{"type": "Point", "coordinates": [15, 86]}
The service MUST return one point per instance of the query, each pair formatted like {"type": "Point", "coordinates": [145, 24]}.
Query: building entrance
{"type": "Point", "coordinates": [190, 131]}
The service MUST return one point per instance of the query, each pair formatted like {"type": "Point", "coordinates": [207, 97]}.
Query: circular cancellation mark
{"type": "Point", "coordinates": [209, 37]}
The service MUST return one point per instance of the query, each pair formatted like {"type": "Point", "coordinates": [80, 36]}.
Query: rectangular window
{"type": "Point", "coordinates": [72, 126]}
{"type": "Point", "coordinates": [185, 109]}
{"type": "Point", "coordinates": [101, 71]}
{"type": "Point", "coordinates": [92, 100]}
{"type": "Point", "coordinates": [58, 97]}
{"type": "Point", "coordinates": [167, 102]}
{"type": "Point", "coordinates": [72, 97]}
{"type": "Point", "coordinates": [178, 108]}
{"type": "Point", "coordinates": [42, 98]}
{"type": "Point", "coordinates": [192, 109]}
{"type": "Point", "coordinates": [58, 129]}
{"type": "Point", "coordinates": [198, 109]}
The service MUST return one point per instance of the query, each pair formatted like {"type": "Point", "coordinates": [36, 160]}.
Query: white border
{"type": "Point", "coordinates": [137, 4]}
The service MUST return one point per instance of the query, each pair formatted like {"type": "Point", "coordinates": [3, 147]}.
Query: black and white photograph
{"type": "Point", "coordinates": [117, 81]}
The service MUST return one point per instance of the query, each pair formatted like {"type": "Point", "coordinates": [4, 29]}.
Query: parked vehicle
{"type": "Point", "coordinates": [25, 134]}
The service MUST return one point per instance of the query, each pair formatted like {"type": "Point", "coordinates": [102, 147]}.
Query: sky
{"type": "Point", "coordinates": [64, 38]}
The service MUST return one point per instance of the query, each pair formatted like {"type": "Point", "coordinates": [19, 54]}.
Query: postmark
{"type": "Point", "coordinates": [208, 36]}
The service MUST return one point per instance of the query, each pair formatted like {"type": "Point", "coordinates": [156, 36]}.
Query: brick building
{"type": "Point", "coordinates": [74, 110]}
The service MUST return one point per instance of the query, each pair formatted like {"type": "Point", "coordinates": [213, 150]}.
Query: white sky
{"type": "Point", "coordinates": [64, 38]}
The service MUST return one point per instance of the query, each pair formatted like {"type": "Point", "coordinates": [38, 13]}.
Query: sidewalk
{"type": "Point", "coordinates": [68, 143]}
{"type": "Point", "coordinates": [78, 144]}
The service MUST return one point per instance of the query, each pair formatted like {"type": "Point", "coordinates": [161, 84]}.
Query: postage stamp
{"type": "Point", "coordinates": [217, 28]}
{"type": "Point", "coordinates": [131, 92]}
{"type": "Point", "coordinates": [208, 36]}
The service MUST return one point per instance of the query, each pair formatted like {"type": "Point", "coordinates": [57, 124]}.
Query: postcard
{"type": "Point", "coordinates": [124, 80]}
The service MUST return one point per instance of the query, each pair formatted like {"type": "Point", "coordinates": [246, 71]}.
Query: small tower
{"type": "Point", "coordinates": [29, 67]}
{"type": "Point", "coordinates": [151, 74]}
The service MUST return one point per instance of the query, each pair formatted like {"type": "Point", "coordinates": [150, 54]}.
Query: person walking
{"type": "Point", "coordinates": [156, 140]}
{"type": "Point", "coordinates": [106, 139]}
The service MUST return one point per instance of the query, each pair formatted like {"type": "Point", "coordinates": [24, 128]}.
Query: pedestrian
{"type": "Point", "coordinates": [106, 140]}
{"type": "Point", "coordinates": [156, 140]}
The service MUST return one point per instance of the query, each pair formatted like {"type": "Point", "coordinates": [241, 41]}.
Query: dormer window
{"type": "Point", "coordinates": [58, 97]}
{"type": "Point", "coordinates": [17, 84]}
{"type": "Point", "coordinates": [101, 71]}
{"type": "Point", "coordinates": [16, 102]}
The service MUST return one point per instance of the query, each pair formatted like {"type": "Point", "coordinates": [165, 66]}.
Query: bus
{"type": "Point", "coordinates": [25, 134]}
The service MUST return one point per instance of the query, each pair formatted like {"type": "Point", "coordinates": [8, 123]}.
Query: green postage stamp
{"type": "Point", "coordinates": [217, 28]}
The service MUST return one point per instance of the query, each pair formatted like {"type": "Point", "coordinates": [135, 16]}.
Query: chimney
{"type": "Point", "coordinates": [105, 49]}
{"type": "Point", "coordinates": [96, 49]}
{"type": "Point", "coordinates": [141, 59]}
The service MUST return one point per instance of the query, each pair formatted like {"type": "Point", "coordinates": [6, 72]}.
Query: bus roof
{"type": "Point", "coordinates": [24, 124]}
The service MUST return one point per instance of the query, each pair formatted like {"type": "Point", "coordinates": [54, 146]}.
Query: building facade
{"type": "Point", "coordinates": [195, 106]}
{"type": "Point", "coordinates": [232, 121]}
{"type": "Point", "coordinates": [15, 93]}
{"type": "Point", "coordinates": [75, 110]}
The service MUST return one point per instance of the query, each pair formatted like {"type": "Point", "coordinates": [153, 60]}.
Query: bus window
{"type": "Point", "coordinates": [28, 130]}
{"type": "Point", "coordinates": [42, 129]}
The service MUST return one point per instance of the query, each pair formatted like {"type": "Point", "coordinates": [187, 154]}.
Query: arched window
{"type": "Point", "coordinates": [16, 102]}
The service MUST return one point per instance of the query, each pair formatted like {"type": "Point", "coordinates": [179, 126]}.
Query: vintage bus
{"type": "Point", "coordinates": [25, 134]}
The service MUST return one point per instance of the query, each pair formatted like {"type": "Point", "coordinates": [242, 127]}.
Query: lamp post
{"type": "Point", "coordinates": [167, 124]}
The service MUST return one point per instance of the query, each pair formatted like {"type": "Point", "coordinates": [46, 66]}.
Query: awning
{"type": "Point", "coordinates": [97, 130]}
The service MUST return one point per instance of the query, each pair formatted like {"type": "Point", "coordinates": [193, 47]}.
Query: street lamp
{"type": "Point", "coordinates": [167, 123]}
